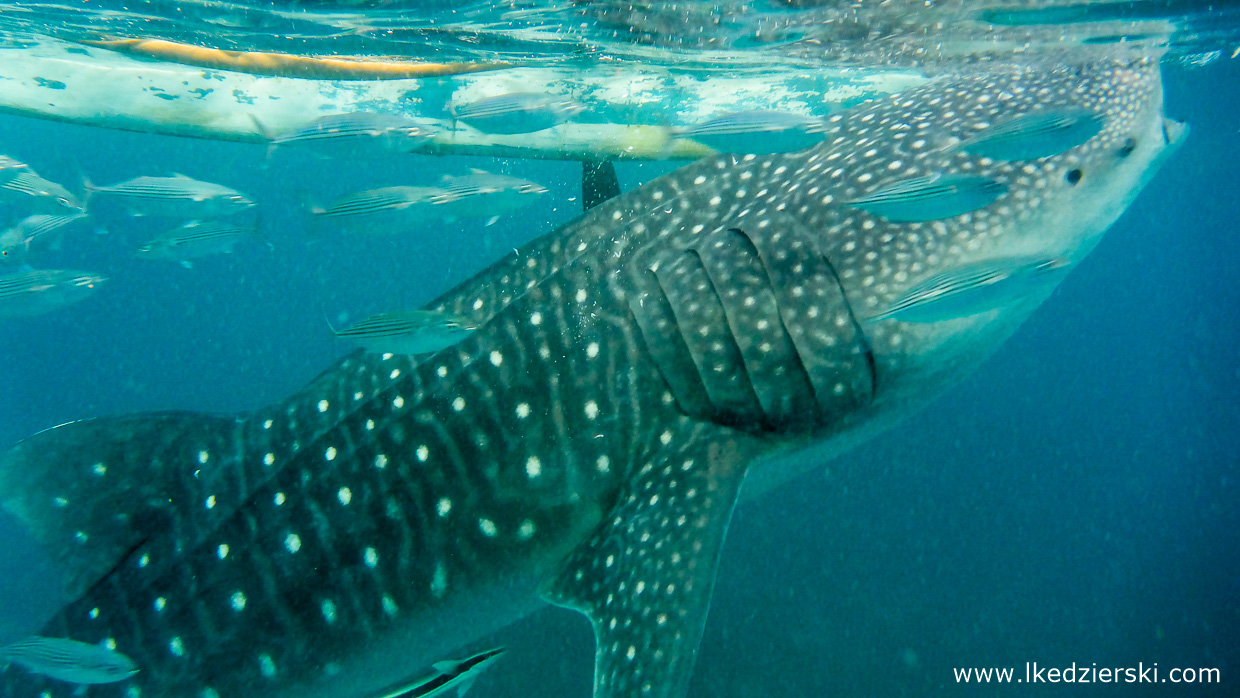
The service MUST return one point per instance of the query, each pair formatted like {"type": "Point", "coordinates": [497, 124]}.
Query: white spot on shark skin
{"type": "Point", "coordinates": [328, 607]}
{"type": "Point", "coordinates": [345, 495]}
{"type": "Point", "coordinates": [94, 613]}
{"type": "Point", "coordinates": [496, 358]}
{"type": "Point", "coordinates": [204, 456]}
{"type": "Point", "coordinates": [581, 295]}
{"type": "Point", "coordinates": [370, 425]}
{"type": "Point", "coordinates": [533, 467]}
{"type": "Point", "coordinates": [442, 371]}
{"type": "Point", "coordinates": [439, 582]}
{"type": "Point", "coordinates": [443, 506]}
{"type": "Point", "coordinates": [381, 461]}
{"type": "Point", "coordinates": [267, 424]}
{"type": "Point", "coordinates": [238, 601]}
{"type": "Point", "coordinates": [61, 502]}
{"type": "Point", "coordinates": [665, 438]}
{"type": "Point", "coordinates": [322, 405]}
{"type": "Point", "coordinates": [160, 604]}
{"type": "Point", "coordinates": [458, 404]}
{"type": "Point", "coordinates": [487, 527]}
{"type": "Point", "coordinates": [177, 647]}
{"type": "Point", "coordinates": [330, 453]}
{"type": "Point", "coordinates": [478, 304]}
{"type": "Point", "coordinates": [389, 606]}
{"type": "Point", "coordinates": [278, 499]}
{"type": "Point", "coordinates": [222, 551]}
{"type": "Point", "coordinates": [394, 374]}
{"type": "Point", "coordinates": [592, 349]}
{"type": "Point", "coordinates": [269, 459]}
{"type": "Point", "coordinates": [523, 410]}
{"type": "Point", "coordinates": [292, 542]}
{"type": "Point", "coordinates": [536, 318]}
{"type": "Point", "coordinates": [526, 530]}
{"type": "Point", "coordinates": [423, 453]}
{"type": "Point", "coordinates": [603, 464]}
{"type": "Point", "coordinates": [399, 402]}
{"type": "Point", "coordinates": [144, 560]}
{"type": "Point", "coordinates": [371, 557]}
{"type": "Point", "coordinates": [210, 502]}
{"type": "Point", "coordinates": [266, 666]}
{"type": "Point", "coordinates": [591, 409]}
{"type": "Point", "coordinates": [99, 469]}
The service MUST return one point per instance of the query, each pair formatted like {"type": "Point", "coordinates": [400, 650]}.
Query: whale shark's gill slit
{"type": "Point", "coordinates": [772, 361]}
{"type": "Point", "coordinates": [863, 342]}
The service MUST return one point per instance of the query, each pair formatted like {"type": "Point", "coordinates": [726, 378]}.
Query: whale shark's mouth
{"type": "Point", "coordinates": [751, 328]}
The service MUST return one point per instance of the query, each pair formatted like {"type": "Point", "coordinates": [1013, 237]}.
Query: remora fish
{"type": "Point", "coordinates": [406, 332]}
{"type": "Point", "coordinates": [454, 675]}
{"type": "Point", "coordinates": [586, 444]}
{"type": "Point", "coordinates": [177, 196]}
{"type": "Point", "coordinates": [40, 291]}
{"type": "Point", "coordinates": [69, 660]}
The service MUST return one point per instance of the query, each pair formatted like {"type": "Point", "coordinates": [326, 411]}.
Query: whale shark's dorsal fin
{"type": "Point", "coordinates": [645, 577]}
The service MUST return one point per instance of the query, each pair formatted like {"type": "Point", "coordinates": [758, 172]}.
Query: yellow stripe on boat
{"type": "Point", "coordinates": [288, 65]}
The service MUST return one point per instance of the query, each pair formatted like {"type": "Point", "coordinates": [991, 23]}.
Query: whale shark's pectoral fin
{"type": "Point", "coordinates": [645, 577]}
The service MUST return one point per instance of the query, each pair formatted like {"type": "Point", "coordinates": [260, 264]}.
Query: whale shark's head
{"type": "Point", "coordinates": [951, 211]}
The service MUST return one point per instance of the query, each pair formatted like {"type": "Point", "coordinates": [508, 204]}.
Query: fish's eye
{"type": "Point", "coordinates": [1073, 176]}
{"type": "Point", "coordinates": [1126, 149]}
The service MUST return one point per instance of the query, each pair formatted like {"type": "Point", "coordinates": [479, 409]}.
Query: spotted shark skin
{"type": "Point", "coordinates": [585, 446]}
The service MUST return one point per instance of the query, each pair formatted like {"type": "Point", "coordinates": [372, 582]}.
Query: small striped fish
{"type": "Point", "coordinates": [457, 675]}
{"type": "Point", "coordinates": [18, 239]}
{"type": "Point", "coordinates": [973, 289]}
{"type": "Point", "coordinates": [177, 196]}
{"type": "Point", "coordinates": [516, 112]}
{"type": "Point", "coordinates": [354, 134]}
{"type": "Point", "coordinates": [385, 210]}
{"type": "Point", "coordinates": [760, 131]}
{"type": "Point", "coordinates": [33, 193]}
{"type": "Point", "coordinates": [406, 332]}
{"type": "Point", "coordinates": [36, 292]}
{"type": "Point", "coordinates": [483, 182]}
{"type": "Point", "coordinates": [196, 239]}
{"type": "Point", "coordinates": [930, 198]}
{"type": "Point", "coordinates": [69, 660]}
{"type": "Point", "coordinates": [10, 168]}
{"type": "Point", "coordinates": [1034, 136]}
{"type": "Point", "coordinates": [482, 193]}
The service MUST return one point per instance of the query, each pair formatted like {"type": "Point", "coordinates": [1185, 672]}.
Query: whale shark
{"type": "Point", "coordinates": [631, 377]}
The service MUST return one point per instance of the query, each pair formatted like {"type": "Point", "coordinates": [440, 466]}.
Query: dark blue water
{"type": "Point", "coordinates": [1073, 501]}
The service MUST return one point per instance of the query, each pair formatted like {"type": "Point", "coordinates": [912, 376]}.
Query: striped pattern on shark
{"type": "Point", "coordinates": [586, 444]}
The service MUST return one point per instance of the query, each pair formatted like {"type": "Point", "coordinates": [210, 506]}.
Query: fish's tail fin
{"type": "Point", "coordinates": [267, 134]}
{"type": "Point", "coordinates": [96, 493]}
{"type": "Point", "coordinates": [88, 190]}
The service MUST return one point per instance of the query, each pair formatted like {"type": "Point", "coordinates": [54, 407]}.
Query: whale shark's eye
{"type": "Point", "coordinates": [1073, 176]}
{"type": "Point", "coordinates": [1126, 149]}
